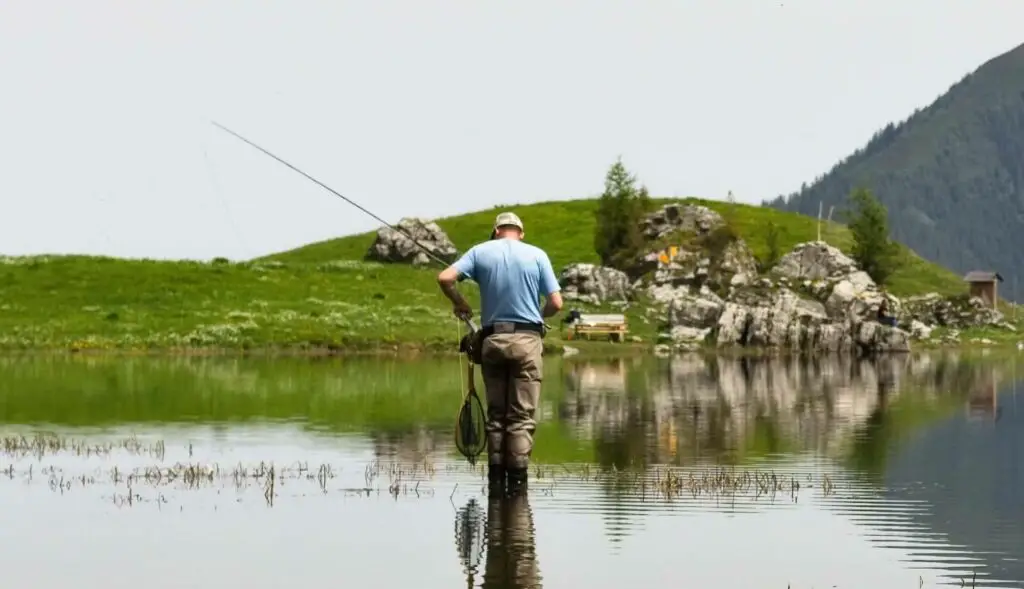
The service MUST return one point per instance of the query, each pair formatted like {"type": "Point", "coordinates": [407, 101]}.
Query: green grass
{"type": "Point", "coordinates": [323, 296]}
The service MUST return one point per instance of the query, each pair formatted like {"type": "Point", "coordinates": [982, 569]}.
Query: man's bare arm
{"type": "Point", "coordinates": [446, 280]}
{"type": "Point", "coordinates": [552, 304]}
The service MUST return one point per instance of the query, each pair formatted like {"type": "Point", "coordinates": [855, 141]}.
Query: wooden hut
{"type": "Point", "coordinates": [984, 285]}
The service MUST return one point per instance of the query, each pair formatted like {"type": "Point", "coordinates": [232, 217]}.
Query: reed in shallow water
{"type": "Point", "coordinates": [42, 444]}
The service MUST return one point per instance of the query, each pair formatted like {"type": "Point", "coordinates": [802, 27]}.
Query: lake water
{"type": "Point", "coordinates": [900, 472]}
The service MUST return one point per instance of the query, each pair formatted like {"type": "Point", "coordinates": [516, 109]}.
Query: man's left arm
{"type": "Point", "coordinates": [550, 288]}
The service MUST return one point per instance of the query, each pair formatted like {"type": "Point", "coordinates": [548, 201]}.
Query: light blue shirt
{"type": "Point", "coordinates": [512, 276]}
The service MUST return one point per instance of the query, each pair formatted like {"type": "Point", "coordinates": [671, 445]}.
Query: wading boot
{"type": "Point", "coordinates": [495, 479]}
{"type": "Point", "coordinates": [517, 481]}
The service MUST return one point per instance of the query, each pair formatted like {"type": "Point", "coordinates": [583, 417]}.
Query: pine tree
{"type": "Point", "coordinates": [620, 209]}
{"type": "Point", "coordinates": [873, 251]}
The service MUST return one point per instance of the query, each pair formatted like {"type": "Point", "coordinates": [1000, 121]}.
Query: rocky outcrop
{"type": "Point", "coordinates": [594, 284]}
{"type": "Point", "coordinates": [782, 319]}
{"type": "Point", "coordinates": [815, 301]}
{"type": "Point", "coordinates": [396, 247]}
{"type": "Point", "coordinates": [958, 312]}
{"type": "Point", "coordinates": [706, 254]}
{"type": "Point", "coordinates": [828, 275]}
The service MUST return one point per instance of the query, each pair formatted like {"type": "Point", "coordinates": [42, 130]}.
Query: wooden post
{"type": "Point", "coordinates": [820, 204]}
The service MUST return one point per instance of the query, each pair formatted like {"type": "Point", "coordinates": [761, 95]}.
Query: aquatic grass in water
{"type": "Point", "coordinates": [679, 456]}
{"type": "Point", "coordinates": [41, 444]}
{"type": "Point", "coordinates": [396, 477]}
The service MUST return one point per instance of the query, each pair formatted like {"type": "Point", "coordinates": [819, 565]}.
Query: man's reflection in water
{"type": "Point", "coordinates": [510, 556]}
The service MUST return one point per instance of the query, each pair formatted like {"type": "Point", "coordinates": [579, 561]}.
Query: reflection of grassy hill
{"type": "Point", "coordinates": [322, 295]}
{"type": "Point", "coordinates": [369, 396]}
{"type": "Point", "coordinates": [398, 399]}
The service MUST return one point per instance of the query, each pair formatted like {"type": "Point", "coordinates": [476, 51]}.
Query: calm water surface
{"type": "Point", "coordinates": [670, 472]}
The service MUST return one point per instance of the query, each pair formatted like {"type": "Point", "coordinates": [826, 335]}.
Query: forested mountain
{"type": "Point", "coordinates": [951, 175]}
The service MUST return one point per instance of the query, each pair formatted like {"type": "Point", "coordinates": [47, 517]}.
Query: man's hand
{"type": "Point", "coordinates": [446, 280]}
{"type": "Point", "coordinates": [462, 310]}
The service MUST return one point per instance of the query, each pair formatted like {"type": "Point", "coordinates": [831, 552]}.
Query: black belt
{"type": "Point", "coordinates": [488, 330]}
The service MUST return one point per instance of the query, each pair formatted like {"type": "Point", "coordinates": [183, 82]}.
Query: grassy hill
{"type": "Point", "coordinates": [951, 175]}
{"type": "Point", "coordinates": [323, 296]}
{"type": "Point", "coordinates": [565, 229]}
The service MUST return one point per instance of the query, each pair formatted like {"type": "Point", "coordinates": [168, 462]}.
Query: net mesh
{"type": "Point", "coordinates": [470, 436]}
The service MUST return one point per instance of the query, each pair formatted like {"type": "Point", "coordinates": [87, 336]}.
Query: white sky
{"type": "Point", "coordinates": [432, 108]}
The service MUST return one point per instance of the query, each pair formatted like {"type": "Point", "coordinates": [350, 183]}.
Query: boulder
{"type": "Point", "coordinates": [919, 330]}
{"type": "Point", "coordinates": [815, 260]}
{"type": "Point", "coordinates": [682, 334]}
{"type": "Point", "coordinates": [738, 264]}
{"type": "Point", "coordinates": [780, 320]}
{"type": "Point", "coordinates": [594, 284]}
{"type": "Point", "coordinates": [695, 219]}
{"type": "Point", "coordinates": [873, 337]}
{"type": "Point", "coordinates": [696, 310]}
{"type": "Point", "coordinates": [959, 311]}
{"type": "Point", "coordinates": [783, 319]}
{"type": "Point", "coordinates": [830, 276]}
{"type": "Point", "coordinates": [395, 246]}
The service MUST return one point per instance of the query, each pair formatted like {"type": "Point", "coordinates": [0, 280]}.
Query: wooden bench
{"type": "Point", "coordinates": [612, 326]}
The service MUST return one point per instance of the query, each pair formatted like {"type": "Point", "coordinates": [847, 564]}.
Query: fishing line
{"type": "Point", "coordinates": [223, 201]}
{"type": "Point", "coordinates": [458, 338]}
{"type": "Point", "coordinates": [336, 193]}
{"type": "Point", "coordinates": [470, 434]}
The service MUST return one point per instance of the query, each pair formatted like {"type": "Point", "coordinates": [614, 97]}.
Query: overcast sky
{"type": "Point", "coordinates": [433, 108]}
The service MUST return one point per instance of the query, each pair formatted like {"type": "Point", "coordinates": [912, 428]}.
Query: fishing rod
{"type": "Point", "coordinates": [338, 194]}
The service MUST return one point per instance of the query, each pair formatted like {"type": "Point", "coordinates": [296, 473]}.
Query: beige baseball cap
{"type": "Point", "coordinates": [508, 218]}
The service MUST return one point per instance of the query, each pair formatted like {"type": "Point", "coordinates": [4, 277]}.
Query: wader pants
{"type": "Point", "coordinates": [511, 367]}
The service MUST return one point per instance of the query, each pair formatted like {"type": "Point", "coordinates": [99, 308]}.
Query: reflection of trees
{"type": "Point", "coordinates": [413, 446]}
{"type": "Point", "coordinates": [961, 475]}
{"type": "Point", "coordinates": [950, 384]}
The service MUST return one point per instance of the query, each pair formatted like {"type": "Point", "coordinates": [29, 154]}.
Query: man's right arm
{"type": "Point", "coordinates": [463, 267]}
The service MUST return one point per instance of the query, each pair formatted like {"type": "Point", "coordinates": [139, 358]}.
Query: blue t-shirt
{"type": "Point", "coordinates": [512, 276]}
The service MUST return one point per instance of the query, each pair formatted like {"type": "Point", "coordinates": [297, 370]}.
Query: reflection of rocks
{"type": "Point", "coordinates": [695, 405]}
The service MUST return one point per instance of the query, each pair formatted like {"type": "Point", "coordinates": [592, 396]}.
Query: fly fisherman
{"type": "Point", "coordinates": [512, 276]}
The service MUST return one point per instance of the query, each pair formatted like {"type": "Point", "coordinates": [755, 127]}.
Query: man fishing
{"type": "Point", "coordinates": [512, 276]}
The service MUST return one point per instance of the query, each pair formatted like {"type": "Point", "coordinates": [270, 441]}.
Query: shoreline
{"type": "Point", "coordinates": [567, 349]}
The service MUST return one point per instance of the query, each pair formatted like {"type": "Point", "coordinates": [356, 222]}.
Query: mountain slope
{"type": "Point", "coordinates": [951, 175]}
